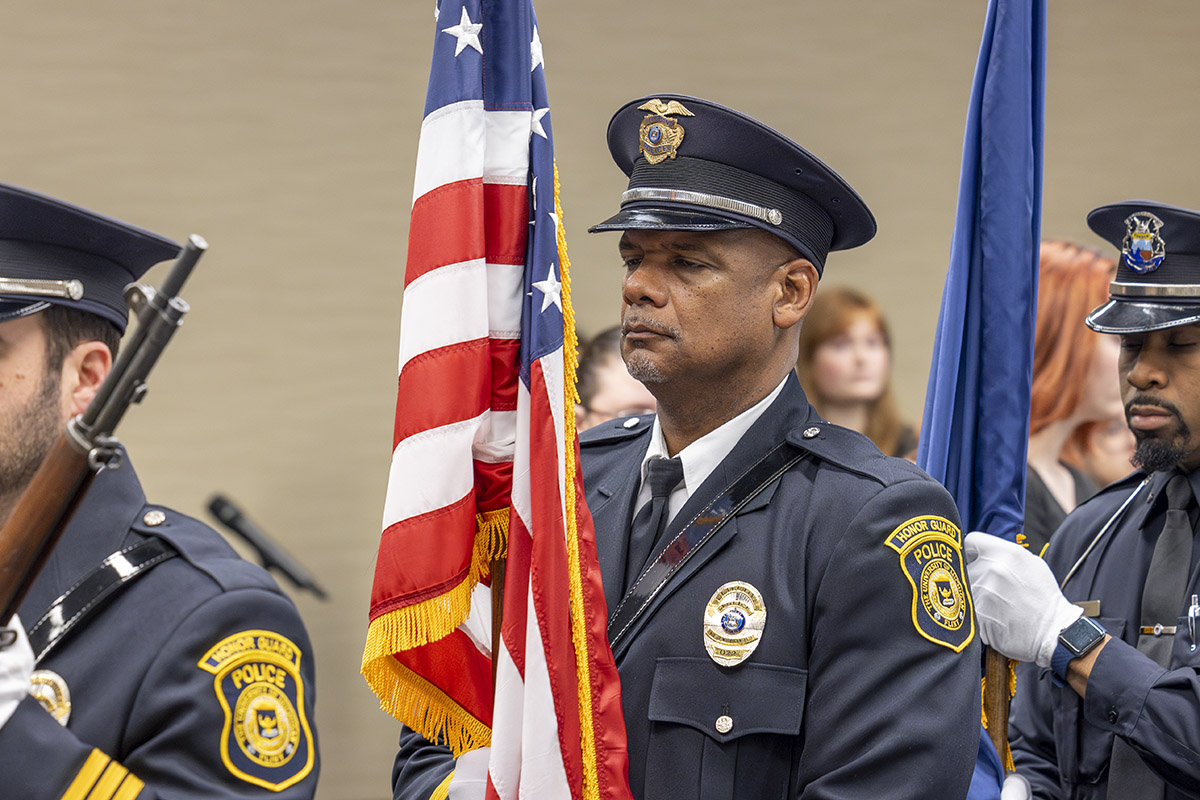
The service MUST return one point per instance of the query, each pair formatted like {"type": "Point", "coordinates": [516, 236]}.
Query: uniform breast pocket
{"type": "Point", "coordinates": [1084, 749]}
{"type": "Point", "coordinates": [722, 732]}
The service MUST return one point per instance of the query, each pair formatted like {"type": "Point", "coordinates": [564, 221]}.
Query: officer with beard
{"type": "Point", "coordinates": [1114, 710]}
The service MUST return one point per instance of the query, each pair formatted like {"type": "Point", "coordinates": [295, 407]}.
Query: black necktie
{"type": "Point", "coordinates": [662, 475]}
{"type": "Point", "coordinates": [1162, 601]}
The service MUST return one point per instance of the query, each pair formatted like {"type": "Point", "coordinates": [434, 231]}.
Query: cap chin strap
{"type": "Point", "coordinates": [1118, 289]}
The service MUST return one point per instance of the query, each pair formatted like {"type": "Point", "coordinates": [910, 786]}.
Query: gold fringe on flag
{"type": "Point", "coordinates": [402, 693]}
{"type": "Point", "coordinates": [591, 790]}
{"type": "Point", "coordinates": [424, 708]}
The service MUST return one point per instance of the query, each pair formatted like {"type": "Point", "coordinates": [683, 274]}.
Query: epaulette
{"type": "Point", "coordinates": [853, 452]}
{"type": "Point", "coordinates": [616, 430]}
{"type": "Point", "coordinates": [203, 548]}
{"type": "Point", "coordinates": [1120, 485]}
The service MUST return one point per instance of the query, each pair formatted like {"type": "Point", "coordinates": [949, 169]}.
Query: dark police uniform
{"type": "Point", "coordinates": [859, 678]}
{"type": "Point", "coordinates": [1063, 742]}
{"type": "Point", "coordinates": [168, 666]}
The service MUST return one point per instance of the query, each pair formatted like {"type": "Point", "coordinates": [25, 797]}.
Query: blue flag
{"type": "Point", "coordinates": [975, 430]}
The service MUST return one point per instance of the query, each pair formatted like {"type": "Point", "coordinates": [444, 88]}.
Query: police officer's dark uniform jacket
{"type": "Point", "coordinates": [1062, 742]}
{"type": "Point", "coordinates": [844, 696]}
{"type": "Point", "coordinates": [144, 694]}
{"type": "Point", "coordinates": [1054, 730]}
{"type": "Point", "coordinates": [168, 667]}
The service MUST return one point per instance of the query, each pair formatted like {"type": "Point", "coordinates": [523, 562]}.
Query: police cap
{"type": "Point", "coordinates": [55, 252]}
{"type": "Point", "coordinates": [1158, 271]}
{"type": "Point", "coordinates": [696, 165]}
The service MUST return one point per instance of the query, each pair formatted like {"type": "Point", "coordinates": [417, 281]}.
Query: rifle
{"type": "Point", "coordinates": [87, 444]}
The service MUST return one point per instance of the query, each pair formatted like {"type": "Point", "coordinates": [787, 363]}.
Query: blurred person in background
{"type": "Point", "coordinates": [1074, 383]}
{"type": "Point", "coordinates": [845, 368]}
{"type": "Point", "coordinates": [606, 389]}
{"type": "Point", "coordinates": [1102, 450]}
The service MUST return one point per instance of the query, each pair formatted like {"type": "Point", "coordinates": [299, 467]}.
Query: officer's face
{"type": "Point", "coordinates": [31, 406]}
{"type": "Point", "coordinates": [697, 308]}
{"type": "Point", "coordinates": [1160, 380]}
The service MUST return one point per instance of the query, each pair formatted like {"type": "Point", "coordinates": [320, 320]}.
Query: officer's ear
{"type": "Point", "coordinates": [798, 283]}
{"type": "Point", "coordinates": [83, 370]}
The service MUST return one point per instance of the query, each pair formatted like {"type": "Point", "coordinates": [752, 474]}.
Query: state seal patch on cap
{"type": "Point", "coordinates": [931, 557]}
{"type": "Point", "coordinates": [266, 739]}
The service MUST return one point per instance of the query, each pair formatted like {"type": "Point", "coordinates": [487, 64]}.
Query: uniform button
{"type": "Point", "coordinates": [1112, 716]}
{"type": "Point", "coordinates": [154, 518]}
{"type": "Point", "coordinates": [632, 422]}
{"type": "Point", "coordinates": [810, 433]}
{"type": "Point", "coordinates": [724, 723]}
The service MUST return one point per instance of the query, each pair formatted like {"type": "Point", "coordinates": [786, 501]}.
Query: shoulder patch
{"type": "Point", "coordinates": [930, 549]}
{"type": "Point", "coordinates": [266, 739]}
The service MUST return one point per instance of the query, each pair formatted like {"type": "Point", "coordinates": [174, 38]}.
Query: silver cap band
{"type": "Point", "coordinates": [68, 290]}
{"type": "Point", "coordinates": [1117, 289]}
{"type": "Point", "coordinates": [771, 215]}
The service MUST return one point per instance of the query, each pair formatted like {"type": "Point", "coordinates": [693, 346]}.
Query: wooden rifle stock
{"type": "Point", "coordinates": [36, 523]}
{"type": "Point", "coordinates": [45, 507]}
{"type": "Point", "coordinates": [996, 701]}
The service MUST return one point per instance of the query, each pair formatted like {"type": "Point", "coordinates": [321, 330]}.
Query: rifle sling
{"type": "Point", "coordinates": [697, 533]}
{"type": "Point", "coordinates": [91, 591]}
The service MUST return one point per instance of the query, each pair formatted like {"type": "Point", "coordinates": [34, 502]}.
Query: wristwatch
{"type": "Point", "coordinates": [1077, 639]}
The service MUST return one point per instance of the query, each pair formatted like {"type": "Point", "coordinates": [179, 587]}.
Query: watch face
{"type": "Point", "coordinates": [1081, 635]}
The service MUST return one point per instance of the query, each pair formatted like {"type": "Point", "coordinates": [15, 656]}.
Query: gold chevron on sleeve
{"type": "Point", "coordinates": [108, 783]}
{"type": "Point", "coordinates": [86, 777]}
{"type": "Point", "coordinates": [130, 789]}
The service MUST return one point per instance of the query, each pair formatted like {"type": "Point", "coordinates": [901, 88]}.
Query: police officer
{"type": "Point", "coordinates": [162, 665]}
{"type": "Point", "coordinates": [1114, 710]}
{"type": "Point", "coordinates": [788, 610]}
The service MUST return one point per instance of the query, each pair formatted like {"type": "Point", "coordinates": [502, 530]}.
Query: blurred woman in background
{"type": "Point", "coordinates": [1074, 382]}
{"type": "Point", "coordinates": [845, 368]}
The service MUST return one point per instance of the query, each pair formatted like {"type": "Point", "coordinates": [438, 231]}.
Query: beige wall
{"type": "Point", "coordinates": [284, 131]}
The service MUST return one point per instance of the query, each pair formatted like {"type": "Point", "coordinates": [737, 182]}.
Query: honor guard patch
{"type": "Point", "coordinates": [734, 620]}
{"type": "Point", "coordinates": [266, 740]}
{"type": "Point", "coordinates": [659, 135]}
{"type": "Point", "coordinates": [931, 557]}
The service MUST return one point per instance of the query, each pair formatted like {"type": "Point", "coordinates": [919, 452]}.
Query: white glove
{"type": "Point", "coordinates": [16, 665]}
{"type": "Point", "coordinates": [1017, 601]}
{"type": "Point", "coordinates": [1016, 788]}
{"type": "Point", "coordinates": [469, 781]}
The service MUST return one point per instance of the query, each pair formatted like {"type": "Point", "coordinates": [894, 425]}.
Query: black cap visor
{"type": "Point", "coordinates": [1130, 316]}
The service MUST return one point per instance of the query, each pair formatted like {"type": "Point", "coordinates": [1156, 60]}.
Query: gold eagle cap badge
{"type": "Point", "coordinates": [660, 135]}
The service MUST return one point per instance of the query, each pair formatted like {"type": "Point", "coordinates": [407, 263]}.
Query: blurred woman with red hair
{"type": "Point", "coordinates": [1074, 382]}
{"type": "Point", "coordinates": [845, 368]}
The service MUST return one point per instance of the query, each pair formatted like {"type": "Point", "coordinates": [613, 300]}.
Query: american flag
{"type": "Point", "coordinates": [485, 455]}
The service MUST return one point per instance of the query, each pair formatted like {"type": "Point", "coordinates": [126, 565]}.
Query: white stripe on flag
{"type": "Point", "coordinates": [461, 141]}
{"type": "Point", "coordinates": [505, 763]}
{"type": "Point", "coordinates": [543, 774]}
{"type": "Point", "coordinates": [444, 307]}
{"type": "Point", "coordinates": [431, 470]}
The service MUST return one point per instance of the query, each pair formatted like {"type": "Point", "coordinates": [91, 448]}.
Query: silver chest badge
{"type": "Point", "coordinates": [733, 623]}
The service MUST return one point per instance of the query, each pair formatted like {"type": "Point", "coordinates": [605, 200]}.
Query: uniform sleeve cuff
{"type": "Point", "coordinates": [1117, 687]}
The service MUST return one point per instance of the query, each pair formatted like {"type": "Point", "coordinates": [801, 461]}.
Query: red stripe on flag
{"type": "Point", "coordinates": [506, 222]}
{"type": "Point", "coordinates": [456, 655]}
{"type": "Point", "coordinates": [516, 592]}
{"type": "Point", "coordinates": [506, 360]}
{"type": "Point", "coordinates": [422, 401]}
{"type": "Point", "coordinates": [416, 549]}
{"type": "Point", "coordinates": [464, 221]}
{"type": "Point", "coordinates": [551, 589]}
